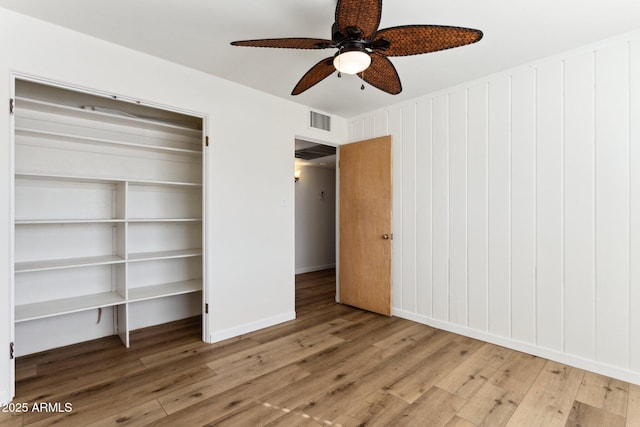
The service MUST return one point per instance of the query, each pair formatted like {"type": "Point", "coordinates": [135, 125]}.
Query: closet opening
{"type": "Point", "coordinates": [109, 216]}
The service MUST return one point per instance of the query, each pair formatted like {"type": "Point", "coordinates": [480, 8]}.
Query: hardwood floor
{"type": "Point", "coordinates": [333, 365]}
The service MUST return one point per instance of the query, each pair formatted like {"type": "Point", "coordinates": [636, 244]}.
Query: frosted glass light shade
{"type": "Point", "coordinates": [352, 62]}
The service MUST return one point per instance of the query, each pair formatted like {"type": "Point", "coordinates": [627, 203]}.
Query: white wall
{"type": "Point", "coordinates": [250, 261]}
{"type": "Point", "coordinates": [315, 219]}
{"type": "Point", "coordinates": [517, 207]}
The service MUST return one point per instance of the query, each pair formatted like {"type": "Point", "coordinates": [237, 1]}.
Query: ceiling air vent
{"type": "Point", "coordinates": [319, 121]}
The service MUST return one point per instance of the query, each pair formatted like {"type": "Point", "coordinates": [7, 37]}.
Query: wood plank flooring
{"type": "Point", "coordinates": [333, 366]}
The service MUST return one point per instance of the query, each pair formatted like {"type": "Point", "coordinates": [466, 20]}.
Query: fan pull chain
{"type": "Point", "coordinates": [362, 77]}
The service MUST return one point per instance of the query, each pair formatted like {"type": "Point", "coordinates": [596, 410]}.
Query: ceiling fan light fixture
{"type": "Point", "coordinates": [352, 61]}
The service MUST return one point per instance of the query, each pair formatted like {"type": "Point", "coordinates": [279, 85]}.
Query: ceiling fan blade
{"type": "Point", "coordinates": [361, 14]}
{"type": "Point", "coordinates": [316, 74]}
{"type": "Point", "coordinates": [417, 39]}
{"type": "Point", "coordinates": [382, 74]}
{"type": "Point", "coordinates": [287, 43]}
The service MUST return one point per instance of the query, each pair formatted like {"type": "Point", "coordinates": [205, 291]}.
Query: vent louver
{"type": "Point", "coordinates": [319, 121]}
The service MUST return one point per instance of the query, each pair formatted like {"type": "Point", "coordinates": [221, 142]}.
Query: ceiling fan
{"type": "Point", "coordinates": [363, 49]}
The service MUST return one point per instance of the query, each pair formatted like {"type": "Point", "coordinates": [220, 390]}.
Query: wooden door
{"type": "Point", "coordinates": [365, 225]}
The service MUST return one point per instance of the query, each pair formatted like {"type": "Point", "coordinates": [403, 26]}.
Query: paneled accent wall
{"type": "Point", "coordinates": [517, 207]}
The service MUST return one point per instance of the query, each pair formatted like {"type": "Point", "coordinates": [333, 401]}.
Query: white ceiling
{"type": "Point", "coordinates": [197, 33]}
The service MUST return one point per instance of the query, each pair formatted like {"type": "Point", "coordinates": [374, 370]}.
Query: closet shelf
{"type": "Point", "coordinates": [103, 221]}
{"type": "Point", "coordinates": [67, 221]}
{"type": "Point", "coordinates": [150, 256]}
{"type": "Point", "coordinates": [25, 103]}
{"type": "Point", "coordinates": [57, 264]}
{"type": "Point", "coordinates": [40, 310]}
{"type": "Point", "coordinates": [101, 180]}
{"type": "Point", "coordinates": [164, 220]}
{"type": "Point", "coordinates": [164, 290]}
{"type": "Point", "coordinates": [100, 141]}
{"type": "Point", "coordinates": [57, 307]}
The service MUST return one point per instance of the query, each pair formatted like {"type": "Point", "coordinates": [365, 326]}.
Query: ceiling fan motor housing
{"type": "Point", "coordinates": [351, 46]}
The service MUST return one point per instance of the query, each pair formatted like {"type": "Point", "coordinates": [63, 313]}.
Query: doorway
{"type": "Point", "coordinates": [315, 206]}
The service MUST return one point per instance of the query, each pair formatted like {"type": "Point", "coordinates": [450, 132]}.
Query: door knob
{"type": "Point", "coordinates": [385, 236]}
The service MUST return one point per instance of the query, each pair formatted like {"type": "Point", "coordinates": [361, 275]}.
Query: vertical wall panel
{"type": "Point", "coordinates": [357, 130]}
{"type": "Point", "coordinates": [381, 122]}
{"type": "Point", "coordinates": [369, 127]}
{"type": "Point", "coordinates": [634, 162]}
{"type": "Point", "coordinates": [499, 206]}
{"type": "Point", "coordinates": [579, 206]}
{"type": "Point", "coordinates": [549, 117]}
{"type": "Point", "coordinates": [523, 155]}
{"type": "Point", "coordinates": [440, 208]}
{"type": "Point", "coordinates": [458, 207]}
{"type": "Point", "coordinates": [612, 204]}
{"type": "Point", "coordinates": [477, 206]}
{"type": "Point", "coordinates": [408, 208]}
{"type": "Point", "coordinates": [424, 168]}
{"type": "Point", "coordinates": [395, 129]}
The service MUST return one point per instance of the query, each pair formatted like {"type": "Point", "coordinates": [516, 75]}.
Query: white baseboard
{"type": "Point", "coordinates": [250, 327]}
{"type": "Point", "coordinates": [314, 268]}
{"type": "Point", "coordinates": [555, 355]}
